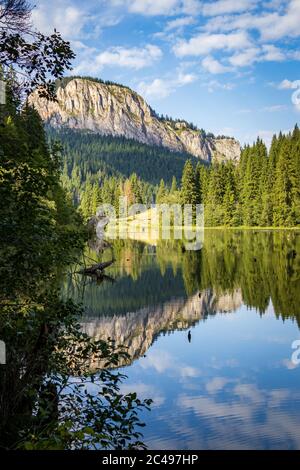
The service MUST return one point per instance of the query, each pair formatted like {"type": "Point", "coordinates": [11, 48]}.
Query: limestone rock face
{"type": "Point", "coordinates": [114, 110]}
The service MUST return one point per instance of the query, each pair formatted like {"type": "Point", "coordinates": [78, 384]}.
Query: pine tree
{"type": "Point", "coordinates": [214, 212]}
{"type": "Point", "coordinates": [282, 215]}
{"type": "Point", "coordinates": [250, 192]}
{"type": "Point", "coordinates": [174, 185]}
{"type": "Point", "coordinates": [128, 192]}
{"type": "Point", "coordinates": [189, 186]}
{"type": "Point", "coordinates": [86, 201]}
{"type": "Point", "coordinates": [229, 199]}
{"type": "Point", "coordinates": [95, 199]}
{"type": "Point", "coordinates": [199, 170]}
{"type": "Point", "coordinates": [136, 190]}
{"type": "Point", "coordinates": [294, 170]}
{"type": "Point", "coordinates": [161, 193]}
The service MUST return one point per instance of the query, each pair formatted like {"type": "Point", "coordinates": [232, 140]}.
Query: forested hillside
{"type": "Point", "coordinates": [95, 154]}
{"type": "Point", "coordinates": [263, 189]}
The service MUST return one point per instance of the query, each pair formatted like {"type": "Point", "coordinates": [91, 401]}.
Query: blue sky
{"type": "Point", "coordinates": [229, 66]}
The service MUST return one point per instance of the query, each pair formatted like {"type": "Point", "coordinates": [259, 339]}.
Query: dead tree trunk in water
{"type": "Point", "coordinates": [96, 269]}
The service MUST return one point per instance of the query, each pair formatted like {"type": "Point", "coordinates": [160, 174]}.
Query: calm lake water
{"type": "Point", "coordinates": [210, 337]}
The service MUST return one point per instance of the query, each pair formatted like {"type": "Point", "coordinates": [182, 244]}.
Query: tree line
{"type": "Point", "coordinates": [263, 189]}
{"type": "Point", "coordinates": [94, 154]}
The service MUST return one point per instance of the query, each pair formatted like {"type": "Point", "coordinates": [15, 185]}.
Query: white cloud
{"type": "Point", "coordinates": [133, 58]}
{"type": "Point", "coordinates": [214, 85]}
{"type": "Point", "coordinates": [164, 363]}
{"type": "Point", "coordinates": [185, 79]}
{"type": "Point", "coordinates": [179, 23]}
{"type": "Point", "coordinates": [274, 4]}
{"type": "Point", "coordinates": [249, 56]}
{"type": "Point", "coordinates": [153, 7]}
{"type": "Point", "coordinates": [157, 89]}
{"type": "Point", "coordinates": [222, 7]}
{"type": "Point", "coordinates": [159, 7]}
{"type": "Point", "coordinates": [289, 85]}
{"type": "Point", "coordinates": [245, 58]}
{"type": "Point", "coordinates": [271, 25]}
{"type": "Point", "coordinates": [216, 384]}
{"type": "Point", "coordinates": [191, 7]}
{"type": "Point", "coordinates": [73, 19]}
{"type": "Point", "coordinates": [238, 417]}
{"type": "Point", "coordinates": [214, 66]}
{"type": "Point", "coordinates": [160, 88]}
{"type": "Point", "coordinates": [278, 26]}
{"type": "Point", "coordinates": [205, 43]}
{"type": "Point", "coordinates": [62, 15]}
{"type": "Point", "coordinates": [272, 53]}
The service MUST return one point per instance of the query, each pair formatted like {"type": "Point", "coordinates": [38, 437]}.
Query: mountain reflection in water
{"type": "Point", "coordinates": [138, 330]}
{"type": "Point", "coordinates": [209, 336]}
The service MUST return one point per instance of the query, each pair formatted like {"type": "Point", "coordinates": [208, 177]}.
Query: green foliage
{"type": "Point", "coordinates": [262, 190]}
{"type": "Point", "coordinates": [263, 264]}
{"type": "Point", "coordinates": [34, 208]}
{"type": "Point", "coordinates": [189, 184]}
{"type": "Point", "coordinates": [51, 396]}
{"type": "Point", "coordinates": [100, 156]}
{"type": "Point", "coordinates": [109, 191]}
{"type": "Point", "coordinates": [161, 193]}
{"type": "Point", "coordinates": [60, 400]}
{"type": "Point", "coordinates": [56, 391]}
{"type": "Point", "coordinates": [31, 54]}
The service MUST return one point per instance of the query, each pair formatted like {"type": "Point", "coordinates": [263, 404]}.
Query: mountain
{"type": "Point", "coordinates": [110, 109]}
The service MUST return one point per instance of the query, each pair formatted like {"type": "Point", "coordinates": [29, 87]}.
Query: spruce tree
{"type": "Point", "coordinates": [189, 185]}
{"type": "Point", "coordinates": [229, 199]}
{"type": "Point", "coordinates": [161, 193]}
{"type": "Point", "coordinates": [174, 185]}
{"type": "Point", "coordinates": [282, 215]}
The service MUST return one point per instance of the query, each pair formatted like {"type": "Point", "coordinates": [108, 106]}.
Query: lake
{"type": "Point", "coordinates": [209, 334]}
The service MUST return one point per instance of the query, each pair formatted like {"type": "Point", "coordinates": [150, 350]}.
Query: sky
{"type": "Point", "coordinates": [229, 66]}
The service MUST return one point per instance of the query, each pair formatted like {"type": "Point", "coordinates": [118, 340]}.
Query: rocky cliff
{"type": "Point", "coordinates": [110, 109]}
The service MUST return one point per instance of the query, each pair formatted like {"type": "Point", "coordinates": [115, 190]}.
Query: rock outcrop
{"type": "Point", "coordinates": [109, 109]}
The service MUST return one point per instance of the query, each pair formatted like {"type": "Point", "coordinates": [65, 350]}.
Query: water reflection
{"type": "Point", "coordinates": [209, 336]}
{"type": "Point", "coordinates": [139, 329]}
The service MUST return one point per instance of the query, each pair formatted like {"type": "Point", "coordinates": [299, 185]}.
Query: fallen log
{"type": "Point", "coordinates": [96, 269]}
